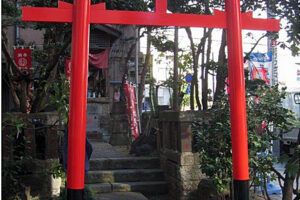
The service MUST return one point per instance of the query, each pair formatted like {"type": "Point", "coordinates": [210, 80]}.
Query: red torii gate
{"type": "Point", "coordinates": [82, 13]}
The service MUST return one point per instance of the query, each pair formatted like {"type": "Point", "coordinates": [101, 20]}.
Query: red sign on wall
{"type": "Point", "coordinates": [23, 58]}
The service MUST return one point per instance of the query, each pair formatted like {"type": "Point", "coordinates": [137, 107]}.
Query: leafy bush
{"type": "Point", "coordinates": [267, 120]}
{"type": "Point", "coordinates": [13, 167]}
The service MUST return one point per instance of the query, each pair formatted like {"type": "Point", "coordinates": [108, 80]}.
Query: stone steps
{"type": "Point", "coordinates": [124, 175]}
{"type": "Point", "coordinates": [148, 187]}
{"type": "Point", "coordinates": [124, 163]}
{"type": "Point", "coordinates": [121, 196]}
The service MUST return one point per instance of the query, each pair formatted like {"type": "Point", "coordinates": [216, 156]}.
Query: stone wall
{"type": "Point", "coordinates": [179, 162]}
{"type": "Point", "coordinates": [39, 130]}
{"type": "Point", "coordinates": [42, 147]}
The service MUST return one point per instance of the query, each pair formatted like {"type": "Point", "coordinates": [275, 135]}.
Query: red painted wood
{"type": "Point", "coordinates": [78, 94]}
{"type": "Point", "coordinates": [100, 16]}
{"type": "Point", "coordinates": [237, 91]}
{"type": "Point", "coordinates": [160, 6]}
{"type": "Point", "coordinates": [99, 6]}
{"type": "Point", "coordinates": [62, 4]}
{"type": "Point", "coordinates": [37, 14]}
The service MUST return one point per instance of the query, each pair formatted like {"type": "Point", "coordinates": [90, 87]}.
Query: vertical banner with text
{"type": "Point", "coordinates": [131, 109]}
{"type": "Point", "coordinates": [260, 66]}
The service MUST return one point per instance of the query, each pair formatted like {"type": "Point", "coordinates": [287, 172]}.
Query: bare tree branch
{"type": "Point", "coordinates": [254, 46]}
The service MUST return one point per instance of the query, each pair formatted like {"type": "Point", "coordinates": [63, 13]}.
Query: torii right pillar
{"type": "Point", "coordinates": [237, 101]}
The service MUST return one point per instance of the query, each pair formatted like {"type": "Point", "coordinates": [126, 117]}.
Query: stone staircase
{"type": "Point", "coordinates": [126, 174]}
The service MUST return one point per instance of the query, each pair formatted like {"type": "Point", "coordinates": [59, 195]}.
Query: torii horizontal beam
{"type": "Point", "coordinates": [99, 15]}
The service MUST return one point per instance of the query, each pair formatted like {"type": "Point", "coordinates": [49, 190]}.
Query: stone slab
{"type": "Point", "coordinates": [119, 139]}
{"type": "Point", "coordinates": [121, 196]}
{"type": "Point", "coordinates": [124, 175]}
{"type": "Point", "coordinates": [105, 150]}
{"type": "Point", "coordinates": [124, 163]}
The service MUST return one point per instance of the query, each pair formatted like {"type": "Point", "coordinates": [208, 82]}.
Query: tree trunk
{"type": "Point", "coordinates": [145, 70]}
{"type": "Point", "coordinates": [194, 83]}
{"type": "Point", "coordinates": [203, 69]}
{"type": "Point", "coordinates": [195, 67]}
{"type": "Point", "coordinates": [222, 72]}
{"type": "Point", "coordinates": [205, 77]}
{"type": "Point", "coordinates": [175, 86]}
{"type": "Point", "coordinates": [192, 104]}
{"type": "Point", "coordinates": [201, 50]}
{"type": "Point", "coordinates": [10, 65]}
{"type": "Point", "coordinates": [287, 192]}
{"type": "Point", "coordinates": [23, 97]}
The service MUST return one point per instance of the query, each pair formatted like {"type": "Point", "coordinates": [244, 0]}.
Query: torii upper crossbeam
{"type": "Point", "coordinates": [82, 13]}
{"type": "Point", "coordinates": [99, 15]}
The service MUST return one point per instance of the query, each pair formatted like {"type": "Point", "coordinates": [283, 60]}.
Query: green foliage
{"type": "Point", "coordinates": [213, 138]}
{"type": "Point", "coordinates": [9, 8]}
{"type": "Point", "coordinates": [60, 98]}
{"type": "Point", "coordinates": [213, 142]}
{"type": "Point", "coordinates": [153, 89]}
{"type": "Point", "coordinates": [161, 43]}
{"type": "Point", "coordinates": [290, 11]}
{"type": "Point", "coordinates": [14, 167]}
{"type": "Point", "coordinates": [184, 67]}
{"type": "Point", "coordinates": [56, 170]}
{"type": "Point", "coordinates": [10, 14]}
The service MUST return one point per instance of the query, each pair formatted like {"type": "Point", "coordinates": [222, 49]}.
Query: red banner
{"type": "Point", "coordinates": [23, 58]}
{"type": "Point", "coordinates": [134, 117]}
{"type": "Point", "coordinates": [68, 69]}
{"type": "Point", "coordinates": [131, 110]}
{"type": "Point", "coordinates": [100, 60]}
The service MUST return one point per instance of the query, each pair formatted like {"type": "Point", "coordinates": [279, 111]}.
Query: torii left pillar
{"type": "Point", "coordinates": [78, 98]}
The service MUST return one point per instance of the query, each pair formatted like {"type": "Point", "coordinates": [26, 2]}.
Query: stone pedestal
{"type": "Point", "coordinates": [98, 119]}
{"type": "Point", "coordinates": [179, 162]}
{"type": "Point", "coordinates": [39, 182]}
{"type": "Point", "coordinates": [119, 125]}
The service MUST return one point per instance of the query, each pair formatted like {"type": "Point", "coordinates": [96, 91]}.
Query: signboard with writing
{"type": "Point", "coordinates": [23, 58]}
